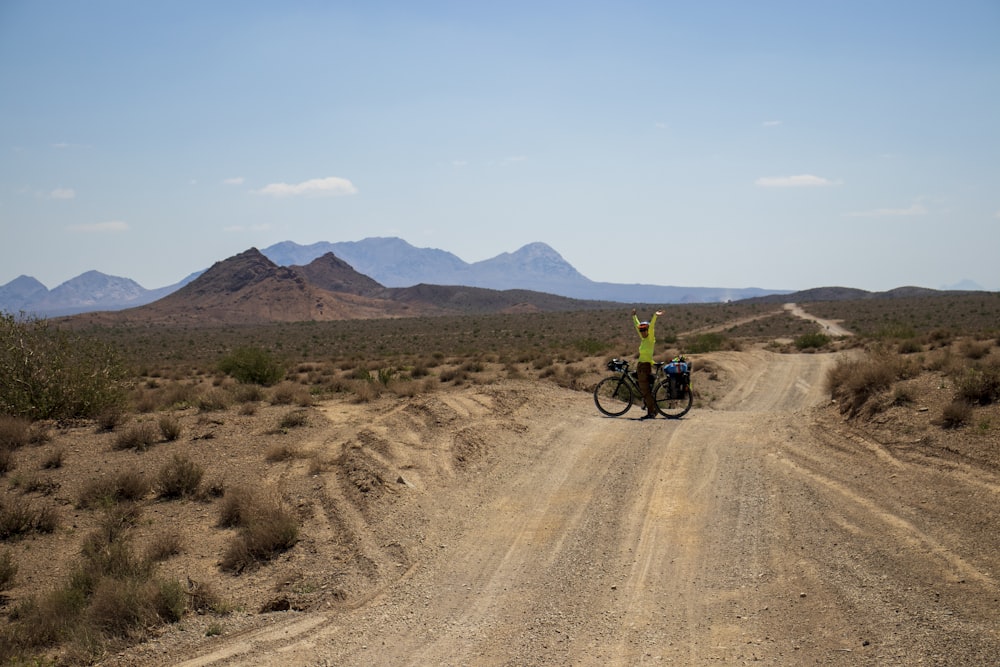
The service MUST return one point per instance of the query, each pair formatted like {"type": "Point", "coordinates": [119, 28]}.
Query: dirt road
{"type": "Point", "coordinates": [753, 531]}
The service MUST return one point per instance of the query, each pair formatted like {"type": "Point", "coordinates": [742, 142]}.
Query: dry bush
{"type": "Point", "coordinates": [179, 478]}
{"type": "Point", "coordinates": [972, 349]}
{"type": "Point", "coordinates": [138, 437]}
{"type": "Point", "coordinates": [15, 432]}
{"type": "Point", "coordinates": [247, 393]}
{"type": "Point", "coordinates": [54, 459]}
{"type": "Point", "coordinates": [955, 414]}
{"type": "Point", "coordinates": [128, 485]}
{"type": "Point", "coordinates": [293, 419]}
{"type": "Point", "coordinates": [979, 383]}
{"type": "Point", "coordinates": [213, 400]}
{"type": "Point", "coordinates": [110, 419]}
{"type": "Point", "coordinates": [365, 391]}
{"type": "Point", "coordinates": [8, 569]}
{"type": "Point", "coordinates": [170, 428]}
{"type": "Point", "coordinates": [163, 545]}
{"type": "Point", "coordinates": [289, 393]}
{"type": "Point", "coordinates": [19, 518]}
{"type": "Point", "coordinates": [265, 528]}
{"type": "Point", "coordinates": [853, 382]}
{"type": "Point", "coordinates": [281, 452]}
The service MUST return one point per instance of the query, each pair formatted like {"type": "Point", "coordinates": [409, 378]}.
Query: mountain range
{"type": "Point", "coordinates": [387, 262]}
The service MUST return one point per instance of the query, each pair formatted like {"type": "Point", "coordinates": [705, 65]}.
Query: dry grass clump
{"type": "Point", "coordinates": [179, 478]}
{"type": "Point", "coordinates": [854, 382]}
{"type": "Point", "coordinates": [129, 485]}
{"type": "Point", "coordinates": [170, 428]}
{"type": "Point", "coordinates": [110, 595]}
{"type": "Point", "coordinates": [265, 528]}
{"type": "Point", "coordinates": [19, 518]}
{"type": "Point", "coordinates": [137, 436]}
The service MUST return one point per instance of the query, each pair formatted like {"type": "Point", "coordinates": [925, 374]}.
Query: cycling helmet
{"type": "Point", "coordinates": [643, 326]}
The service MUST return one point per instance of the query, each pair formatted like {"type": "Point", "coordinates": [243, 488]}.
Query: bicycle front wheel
{"type": "Point", "coordinates": [613, 396]}
{"type": "Point", "coordinates": [672, 408]}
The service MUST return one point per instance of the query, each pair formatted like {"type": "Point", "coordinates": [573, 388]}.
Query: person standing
{"type": "Point", "coordinates": [644, 371]}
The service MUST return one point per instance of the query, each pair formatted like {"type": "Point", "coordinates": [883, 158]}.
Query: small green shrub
{"type": "Point", "coordinates": [812, 341]}
{"type": "Point", "coordinates": [704, 343]}
{"type": "Point", "coordinates": [252, 365]}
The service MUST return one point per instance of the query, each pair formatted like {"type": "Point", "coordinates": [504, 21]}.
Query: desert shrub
{"type": "Point", "coordinates": [163, 545]}
{"type": "Point", "coordinates": [179, 477]}
{"type": "Point", "coordinates": [247, 393]}
{"type": "Point", "coordinates": [47, 373]}
{"type": "Point", "coordinates": [54, 459]}
{"type": "Point", "coordinates": [265, 528]}
{"type": "Point", "coordinates": [280, 452]}
{"type": "Point", "coordinates": [213, 400]}
{"type": "Point", "coordinates": [138, 437]}
{"type": "Point", "coordinates": [19, 518]}
{"type": "Point", "coordinates": [812, 341]}
{"type": "Point", "coordinates": [910, 346]}
{"type": "Point", "coordinates": [126, 486]}
{"type": "Point", "coordinates": [170, 428]}
{"type": "Point", "coordinates": [8, 569]}
{"type": "Point", "coordinates": [705, 342]}
{"type": "Point", "coordinates": [954, 415]}
{"type": "Point", "coordinates": [971, 349]}
{"type": "Point", "coordinates": [979, 384]}
{"type": "Point", "coordinates": [852, 382]}
{"type": "Point", "coordinates": [293, 419]}
{"type": "Point", "coordinates": [288, 393]}
{"type": "Point", "coordinates": [252, 365]}
{"type": "Point", "coordinates": [15, 432]}
{"type": "Point", "coordinates": [110, 418]}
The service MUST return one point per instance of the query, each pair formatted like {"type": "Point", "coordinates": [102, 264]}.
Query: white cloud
{"type": "Point", "coordinates": [799, 181]}
{"type": "Point", "coordinates": [331, 186]}
{"type": "Point", "coordinates": [914, 209]}
{"type": "Point", "coordinates": [62, 193]}
{"type": "Point", "coordinates": [112, 226]}
{"type": "Point", "coordinates": [238, 180]}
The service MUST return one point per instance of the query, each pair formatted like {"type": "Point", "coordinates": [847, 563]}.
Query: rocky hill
{"type": "Point", "coordinates": [248, 288]}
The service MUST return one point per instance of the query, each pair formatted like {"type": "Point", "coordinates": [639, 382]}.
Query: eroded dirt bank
{"type": "Point", "coordinates": [759, 530]}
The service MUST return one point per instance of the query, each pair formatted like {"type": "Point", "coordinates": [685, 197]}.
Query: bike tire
{"type": "Point", "coordinates": [613, 396]}
{"type": "Point", "coordinates": [672, 408]}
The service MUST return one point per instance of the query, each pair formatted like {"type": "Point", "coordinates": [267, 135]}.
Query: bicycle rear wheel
{"type": "Point", "coordinates": [613, 396]}
{"type": "Point", "coordinates": [672, 408]}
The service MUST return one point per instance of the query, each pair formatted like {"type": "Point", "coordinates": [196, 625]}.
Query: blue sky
{"type": "Point", "coordinates": [783, 145]}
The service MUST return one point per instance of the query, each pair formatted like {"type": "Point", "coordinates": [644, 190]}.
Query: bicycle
{"type": "Point", "coordinates": [614, 395]}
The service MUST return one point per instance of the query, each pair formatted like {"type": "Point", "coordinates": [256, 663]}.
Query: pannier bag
{"type": "Point", "coordinates": [678, 377]}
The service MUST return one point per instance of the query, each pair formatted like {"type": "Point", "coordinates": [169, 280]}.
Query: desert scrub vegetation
{"type": "Point", "coordinates": [853, 383]}
{"type": "Point", "coordinates": [111, 595]}
{"type": "Point", "coordinates": [52, 373]}
{"type": "Point", "coordinates": [252, 365]}
{"type": "Point", "coordinates": [265, 528]}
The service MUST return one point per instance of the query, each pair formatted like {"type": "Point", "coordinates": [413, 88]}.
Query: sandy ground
{"type": "Point", "coordinates": [513, 524]}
